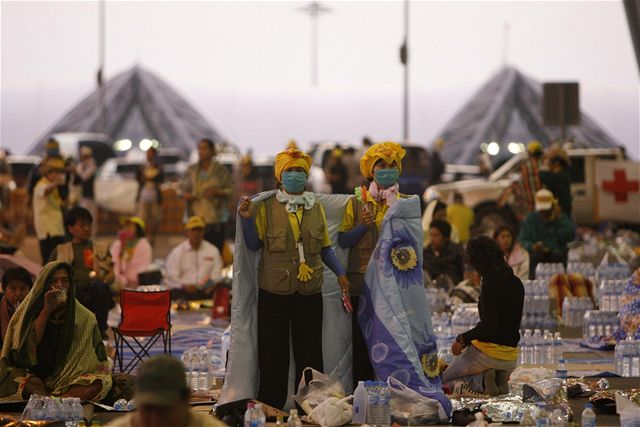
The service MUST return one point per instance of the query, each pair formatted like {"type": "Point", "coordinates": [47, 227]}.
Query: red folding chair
{"type": "Point", "coordinates": [146, 317]}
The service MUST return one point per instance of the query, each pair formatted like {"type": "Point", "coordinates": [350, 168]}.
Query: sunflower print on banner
{"type": "Point", "coordinates": [430, 365]}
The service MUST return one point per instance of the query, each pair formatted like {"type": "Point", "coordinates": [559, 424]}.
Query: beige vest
{"type": "Point", "coordinates": [278, 269]}
{"type": "Point", "coordinates": [102, 263]}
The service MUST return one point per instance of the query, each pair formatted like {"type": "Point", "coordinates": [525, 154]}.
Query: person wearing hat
{"type": "Point", "coordinates": [91, 262]}
{"type": "Point", "coordinates": [546, 232]}
{"type": "Point", "coordinates": [194, 266]}
{"type": "Point", "coordinates": [47, 208]}
{"type": "Point", "coordinates": [291, 229]}
{"type": "Point", "coordinates": [131, 253]}
{"type": "Point", "coordinates": [162, 398]}
{"type": "Point", "coordinates": [51, 151]}
{"type": "Point", "coordinates": [380, 165]}
{"type": "Point", "coordinates": [557, 178]}
{"type": "Point", "coordinates": [206, 187]}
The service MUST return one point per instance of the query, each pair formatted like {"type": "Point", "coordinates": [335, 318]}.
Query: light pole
{"type": "Point", "coordinates": [314, 10]}
{"type": "Point", "coordinates": [102, 122]}
{"type": "Point", "coordinates": [404, 58]}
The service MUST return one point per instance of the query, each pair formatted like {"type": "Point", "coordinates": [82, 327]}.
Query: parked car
{"type": "Point", "coordinates": [482, 194]}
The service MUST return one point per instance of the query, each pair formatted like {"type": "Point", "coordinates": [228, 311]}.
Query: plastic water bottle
{"type": "Point", "coordinates": [259, 418]}
{"type": "Point", "coordinates": [538, 350]}
{"type": "Point", "coordinates": [548, 347]}
{"type": "Point", "coordinates": [527, 347]}
{"type": "Point", "coordinates": [294, 419]}
{"type": "Point", "coordinates": [561, 370]}
{"type": "Point", "coordinates": [248, 414]}
{"type": "Point", "coordinates": [359, 404]}
{"type": "Point", "coordinates": [542, 420]}
{"type": "Point", "coordinates": [557, 347]}
{"type": "Point", "coordinates": [373, 401]}
{"type": "Point", "coordinates": [385, 405]}
{"type": "Point", "coordinates": [588, 416]}
{"type": "Point", "coordinates": [556, 419]}
{"type": "Point", "coordinates": [77, 410]}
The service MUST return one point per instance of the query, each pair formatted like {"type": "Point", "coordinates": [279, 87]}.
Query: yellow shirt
{"type": "Point", "coordinates": [47, 211]}
{"type": "Point", "coordinates": [462, 218]}
{"type": "Point", "coordinates": [348, 220]}
{"type": "Point", "coordinates": [294, 220]}
{"type": "Point", "coordinates": [497, 351]}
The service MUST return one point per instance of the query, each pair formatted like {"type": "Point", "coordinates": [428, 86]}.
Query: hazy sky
{"type": "Point", "coordinates": [246, 65]}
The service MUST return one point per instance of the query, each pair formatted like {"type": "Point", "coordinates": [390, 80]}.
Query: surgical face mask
{"type": "Point", "coordinates": [294, 181]}
{"type": "Point", "coordinates": [386, 177]}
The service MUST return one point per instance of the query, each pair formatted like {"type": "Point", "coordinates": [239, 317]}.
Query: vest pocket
{"type": "Point", "coordinates": [317, 238]}
{"type": "Point", "coordinates": [277, 280]}
{"type": "Point", "coordinates": [277, 240]}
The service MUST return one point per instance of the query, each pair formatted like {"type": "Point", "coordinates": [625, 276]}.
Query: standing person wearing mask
{"type": "Point", "coordinates": [381, 165]}
{"type": "Point", "coordinates": [206, 187]}
{"type": "Point", "coordinates": [150, 178]}
{"type": "Point", "coordinates": [291, 229]}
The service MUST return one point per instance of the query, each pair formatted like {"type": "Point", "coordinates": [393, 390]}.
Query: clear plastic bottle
{"type": "Point", "coordinates": [538, 350]}
{"type": "Point", "coordinates": [548, 347]}
{"type": "Point", "coordinates": [248, 414]}
{"type": "Point", "coordinates": [588, 418]}
{"type": "Point", "coordinates": [527, 347]}
{"type": "Point", "coordinates": [385, 405]}
{"type": "Point", "coordinates": [259, 419]}
{"type": "Point", "coordinates": [561, 370]}
{"type": "Point", "coordinates": [557, 347]}
{"type": "Point", "coordinates": [542, 419]}
{"type": "Point", "coordinates": [556, 419]}
{"type": "Point", "coordinates": [77, 410]}
{"type": "Point", "coordinates": [373, 401]}
{"type": "Point", "coordinates": [359, 404]}
{"type": "Point", "coordinates": [204, 360]}
{"type": "Point", "coordinates": [294, 419]}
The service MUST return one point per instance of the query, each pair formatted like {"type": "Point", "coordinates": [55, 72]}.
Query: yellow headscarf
{"type": "Point", "coordinates": [388, 151]}
{"type": "Point", "coordinates": [291, 158]}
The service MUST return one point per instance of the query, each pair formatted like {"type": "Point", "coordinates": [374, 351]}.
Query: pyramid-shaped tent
{"type": "Point", "coordinates": [138, 105]}
{"type": "Point", "coordinates": [509, 108]}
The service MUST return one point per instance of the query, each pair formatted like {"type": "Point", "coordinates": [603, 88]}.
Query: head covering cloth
{"type": "Point", "coordinates": [390, 152]}
{"type": "Point", "coordinates": [291, 158]}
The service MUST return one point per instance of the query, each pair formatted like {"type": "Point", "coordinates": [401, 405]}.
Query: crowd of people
{"type": "Point", "coordinates": [52, 329]}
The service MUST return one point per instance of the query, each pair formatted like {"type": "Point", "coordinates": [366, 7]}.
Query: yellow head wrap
{"type": "Point", "coordinates": [291, 158]}
{"type": "Point", "coordinates": [388, 151]}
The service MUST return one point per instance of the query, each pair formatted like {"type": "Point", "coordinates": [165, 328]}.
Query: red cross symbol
{"type": "Point", "coordinates": [620, 187]}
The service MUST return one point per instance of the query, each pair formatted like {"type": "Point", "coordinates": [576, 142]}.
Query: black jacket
{"type": "Point", "coordinates": [500, 307]}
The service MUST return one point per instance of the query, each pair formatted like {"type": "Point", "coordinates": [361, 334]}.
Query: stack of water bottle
{"type": "Point", "coordinates": [372, 404]}
{"type": "Point", "coordinates": [538, 348]}
{"type": "Point", "coordinates": [545, 271]}
{"type": "Point", "coordinates": [598, 323]}
{"type": "Point", "coordinates": [584, 268]}
{"type": "Point", "coordinates": [465, 317]}
{"type": "Point", "coordinates": [535, 312]}
{"type": "Point", "coordinates": [610, 294]}
{"type": "Point", "coordinates": [615, 271]}
{"type": "Point", "coordinates": [202, 367]}
{"type": "Point", "coordinates": [47, 408]}
{"type": "Point", "coordinates": [574, 309]}
{"type": "Point", "coordinates": [626, 358]}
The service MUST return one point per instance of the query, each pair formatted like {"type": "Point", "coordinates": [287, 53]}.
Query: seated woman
{"type": "Point", "coordinates": [131, 253]}
{"type": "Point", "coordinates": [489, 351]}
{"type": "Point", "coordinates": [16, 283]}
{"type": "Point", "coordinates": [53, 345]}
{"type": "Point", "coordinates": [517, 256]}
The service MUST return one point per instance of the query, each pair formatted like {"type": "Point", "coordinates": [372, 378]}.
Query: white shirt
{"type": "Point", "coordinates": [187, 266]}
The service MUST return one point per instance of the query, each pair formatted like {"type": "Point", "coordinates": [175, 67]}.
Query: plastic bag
{"type": "Point", "coordinates": [332, 412]}
{"type": "Point", "coordinates": [317, 390]}
{"type": "Point", "coordinates": [408, 407]}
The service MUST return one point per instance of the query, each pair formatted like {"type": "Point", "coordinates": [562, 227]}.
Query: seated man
{"type": "Point", "coordinates": [162, 398]}
{"type": "Point", "coordinates": [441, 256]}
{"type": "Point", "coordinates": [53, 345]}
{"type": "Point", "coordinates": [92, 265]}
{"type": "Point", "coordinates": [546, 232]}
{"type": "Point", "coordinates": [16, 283]}
{"type": "Point", "coordinates": [194, 266]}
